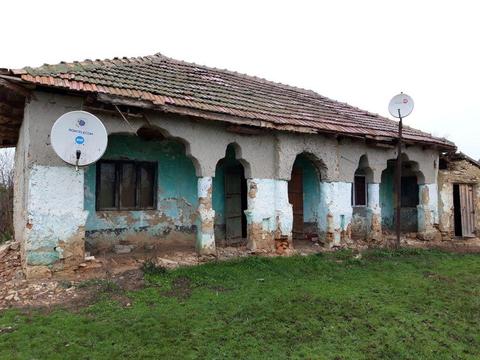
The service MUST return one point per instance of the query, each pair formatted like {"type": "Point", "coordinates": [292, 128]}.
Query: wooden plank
{"type": "Point", "coordinates": [233, 206]}
{"type": "Point", "coordinates": [295, 195]}
{"type": "Point", "coordinates": [467, 210]}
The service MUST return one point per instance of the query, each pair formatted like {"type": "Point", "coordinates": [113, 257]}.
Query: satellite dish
{"type": "Point", "coordinates": [401, 105]}
{"type": "Point", "coordinates": [79, 138]}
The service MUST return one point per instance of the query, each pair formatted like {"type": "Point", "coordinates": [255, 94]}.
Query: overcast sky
{"type": "Point", "coordinates": [360, 52]}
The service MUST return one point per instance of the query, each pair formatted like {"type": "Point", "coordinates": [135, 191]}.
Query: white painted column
{"type": "Point", "coordinates": [261, 216]}
{"type": "Point", "coordinates": [374, 212]}
{"type": "Point", "coordinates": [427, 211]}
{"type": "Point", "coordinates": [335, 212]}
{"type": "Point", "coordinates": [284, 210]}
{"type": "Point", "coordinates": [206, 217]}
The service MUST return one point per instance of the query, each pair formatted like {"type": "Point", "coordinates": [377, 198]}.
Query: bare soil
{"type": "Point", "coordinates": [123, 272]}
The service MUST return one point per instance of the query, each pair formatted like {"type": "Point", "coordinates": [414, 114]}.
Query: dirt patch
{"type": "Point", "coordinates": [116, 274]}
{"type": "Point", "coordinates": [181, 288]}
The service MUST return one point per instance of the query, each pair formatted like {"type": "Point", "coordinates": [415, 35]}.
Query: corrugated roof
{"type": "Point", "coordinates": [167, 82]}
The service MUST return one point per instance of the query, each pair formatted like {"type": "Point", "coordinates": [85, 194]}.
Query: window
{"type": "Point", "coordinates": [409, 191]}
{"type": "Point", "coordinates": [359, 195]}
{"type": "Point", "coordinates": [126, 185]}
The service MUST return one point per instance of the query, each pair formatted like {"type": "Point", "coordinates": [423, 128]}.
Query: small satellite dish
{"type": "Point", "coordinates": [401, 105]}
{"type": "Point", "coordinates": [79, 138]}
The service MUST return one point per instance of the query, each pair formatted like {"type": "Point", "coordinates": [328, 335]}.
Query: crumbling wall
{"type": "Point", "coordinates": [49, 214]}
{"type": "Point", "coordinates": [335, 212]}
{"type": "Point", "coordinates": [460, 172]}
{"type": "Point", "coordinates": [177, 198]}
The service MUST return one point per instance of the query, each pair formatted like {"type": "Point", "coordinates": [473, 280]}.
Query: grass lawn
{"type": "Point", "coordinates": [387, 305]}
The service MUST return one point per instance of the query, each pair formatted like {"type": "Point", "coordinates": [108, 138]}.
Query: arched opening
{"type": "Point", "coordinates": [362, 177]}
{"type": "Point", "coordinates": [230, 200]}
{"type": "Point", "coordinates": [304, 195]}
{"type": "Point", "coordinates": [411, 179]}
{"type": "Point", "coordinates": [143, 194]}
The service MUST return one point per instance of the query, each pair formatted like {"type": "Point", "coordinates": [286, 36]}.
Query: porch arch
{"type": "Point", "coordinates": [412, 178]}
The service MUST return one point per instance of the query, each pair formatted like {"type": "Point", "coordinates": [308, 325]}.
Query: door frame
{"type": "Point", "coordinates": [464, 200]}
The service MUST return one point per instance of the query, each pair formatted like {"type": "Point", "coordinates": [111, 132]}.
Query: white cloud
{"type": "Point", "coordinates": [360, 52]}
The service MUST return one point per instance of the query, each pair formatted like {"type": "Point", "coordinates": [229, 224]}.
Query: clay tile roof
{"type": "Point", "coordinates": [181, 85]}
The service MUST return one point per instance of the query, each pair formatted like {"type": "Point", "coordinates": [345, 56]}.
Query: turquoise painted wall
{"type": "Point", "coordinates": [176, 196]}
{"type": "Point", "coordinates": [408, 215]}
{"type": "Point", "coordinates": [311, 189]}
{"type": "Point", "coordinates": [387, 198]}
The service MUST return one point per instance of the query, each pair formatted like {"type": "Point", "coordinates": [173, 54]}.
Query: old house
{"type": "Point", "coordinates": [204, 157]}
{"type": "Point", "coordinates": [459, 192]}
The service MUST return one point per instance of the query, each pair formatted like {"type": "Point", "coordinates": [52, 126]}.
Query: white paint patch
{"type": "Point", "coordinates": [428, 213]}
{"type": "Point", "coordinates": [204, 186]}
{"type": "Point", "coordinates": [261, 206]}
{"type": "Point", "coordinates": [335, 201]}
{"type": "Point", "coordinates": [373, 191]}
{"type": "Point", "coordinates": [283, 208]}
{"type": "Point", "coordinates": [206, 216]}
{"type": "Point", "coordinates": [433, 201]}
{"type": "Point", "coordinates": [445, 207]}
{"type": "Point", "coordinates": [55, 206]}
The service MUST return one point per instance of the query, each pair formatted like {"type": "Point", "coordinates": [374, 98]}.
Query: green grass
{"type": "Point", "coordinates": [409, 304]}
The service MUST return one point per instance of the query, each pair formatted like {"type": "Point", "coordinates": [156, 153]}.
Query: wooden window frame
{"type": "Point", "coordinates": [354, 204]}
{"type": "Point", "coordinates": [118, 182]}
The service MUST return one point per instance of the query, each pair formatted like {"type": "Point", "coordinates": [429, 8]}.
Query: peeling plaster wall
{"type": "Point", "coordinates": [206, 217]}
{"type": "Point", "coordinates": [457, 172]}
{"type": "Point", "coordinates": [360, 222]}
{"type": "Point", "coordinates": [374, 213]}
{"type": "Point", "coordinates": [55, 227]}
{"type": "Point", "coordinates": [261, 215]}
{"type": "Point", "coordinates": [176, 196]}
{"type": "Point", "coordinates": [20, 184]}
{"type": "Point", "coordinates": [335, 211]}
{"type": "Point", "coordinates": [283, 210]}
{"type": "Point", "coordinates": [48, 211]}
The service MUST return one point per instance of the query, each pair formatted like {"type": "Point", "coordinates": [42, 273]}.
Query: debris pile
{"type": "Point", "coordinates": [281, 245]}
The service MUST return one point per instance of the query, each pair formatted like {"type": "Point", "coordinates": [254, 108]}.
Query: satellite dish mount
{"type": "Point", "coordinates": [400, 106]}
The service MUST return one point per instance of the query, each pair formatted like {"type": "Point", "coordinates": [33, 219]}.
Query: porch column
{"type": "Point", "coordinates": [206, 217]}
{"type": "Point", "coordinates": [374, 213]}
{"type": "Point", "coordinates": [335, 212]}
{"type": "Point", "coordinates": [283, 211]}
{"type": "Point", "coordinates": [427, 212]}
{"type": "Point", "coordinates": [261, 224]}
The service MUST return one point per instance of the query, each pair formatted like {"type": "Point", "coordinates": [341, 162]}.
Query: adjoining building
{"type": "Point", "coordinates": [205, 157]}
{"type": "Point", "coordinates": [459, 194]}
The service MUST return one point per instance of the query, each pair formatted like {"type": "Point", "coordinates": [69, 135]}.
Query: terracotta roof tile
{"type": "Point", "coordinates": [163, 80]}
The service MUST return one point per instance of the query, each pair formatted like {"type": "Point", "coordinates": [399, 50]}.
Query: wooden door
{"type": "Point", "coordinates": [295, 196]}
{"type": "Point", "coordinates": [233, 205]}
{"type": "Point", "coordinates": [467, 210]}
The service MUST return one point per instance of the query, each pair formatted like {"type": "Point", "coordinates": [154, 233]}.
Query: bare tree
{"type": "Point", "coordinates": [6, 194]}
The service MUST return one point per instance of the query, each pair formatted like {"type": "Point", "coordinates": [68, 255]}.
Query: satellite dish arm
{"type": "Point", "coordinates": [78, 154]}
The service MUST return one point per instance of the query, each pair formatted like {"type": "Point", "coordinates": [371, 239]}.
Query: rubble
{"type": "Point", "coordinates": [122, 249]}
{"type": "Point", "coordinates": [125, 269]}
